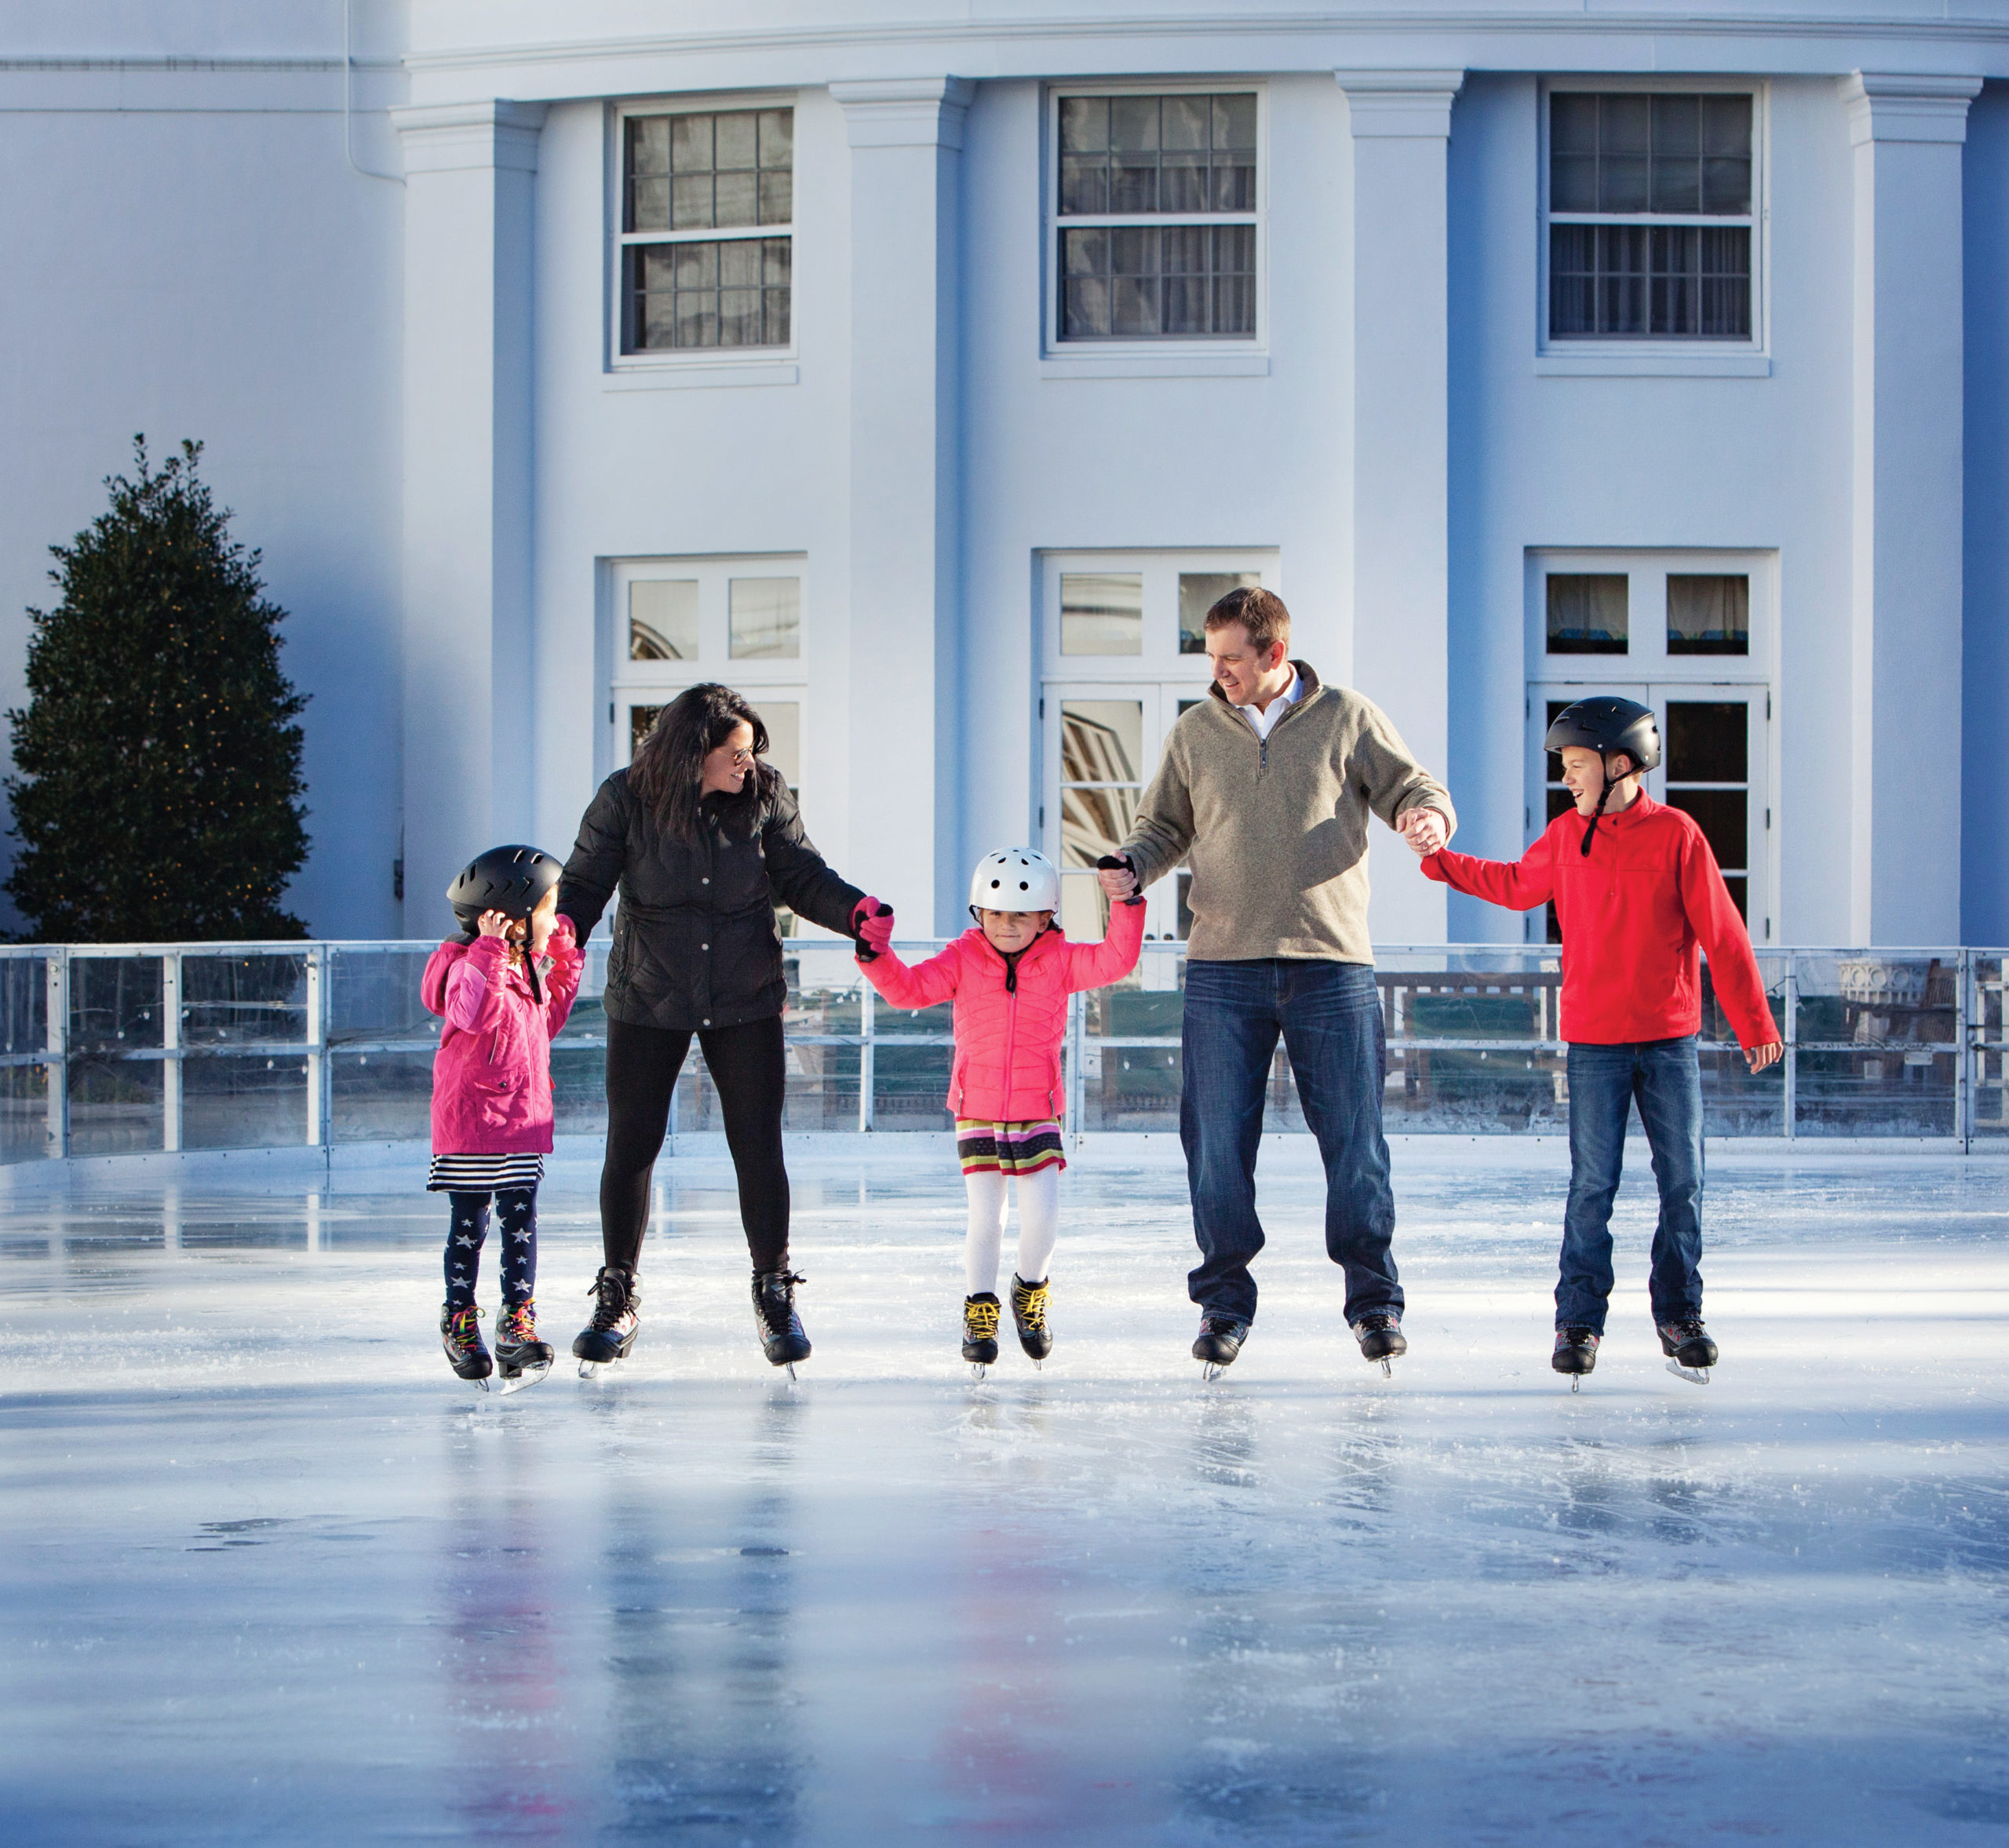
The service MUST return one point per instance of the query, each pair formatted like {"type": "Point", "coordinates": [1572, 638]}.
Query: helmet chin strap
{"type": "Point", "coordinates": [1597, 815]}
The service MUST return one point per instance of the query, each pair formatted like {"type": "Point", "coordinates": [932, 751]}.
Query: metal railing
{"type": "Point", "coordinates": [124, 1048]}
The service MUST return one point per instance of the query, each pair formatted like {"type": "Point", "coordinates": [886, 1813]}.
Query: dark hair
{"type": "Point", "coordinates": [1260, 612]}
{"type": "Point", "coordinates": [670, 764]}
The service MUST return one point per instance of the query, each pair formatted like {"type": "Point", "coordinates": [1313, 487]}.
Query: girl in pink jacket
{"type": "Point", "coordinates": [1010, 978]}
{"type": "Point", "coordinates": [504, 987]}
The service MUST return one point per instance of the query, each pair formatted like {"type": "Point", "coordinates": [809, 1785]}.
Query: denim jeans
{"type": "Point", "coordinates": [1329, 1015]}
{"type": "Point", "coordinates": [1665, 1078]}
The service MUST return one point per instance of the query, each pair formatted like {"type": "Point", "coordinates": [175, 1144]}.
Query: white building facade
{"type": "Point", "coordinates": [924, 370]}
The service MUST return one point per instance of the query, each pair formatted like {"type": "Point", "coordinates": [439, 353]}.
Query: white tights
{"type": "Point", "coordinates": [1039, 1222]}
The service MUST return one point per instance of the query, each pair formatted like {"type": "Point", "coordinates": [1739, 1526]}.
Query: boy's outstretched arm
{"type": "Point", "coordinates": [1718, 928]}
{"type": "Point", "coordinates": [1520, 885]}
{"type": "Point", "coordinates": [1093, 965]}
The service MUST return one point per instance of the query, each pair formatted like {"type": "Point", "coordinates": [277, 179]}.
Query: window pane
{"type": "Point", "coordinates": [1588, 613]}
{"type": "Point", "coordinates": [1084, 124]}
{"type": "Point", "coordinates": [1172, 153]}
{"type": "Point", "coordinates": [1084, 908]}
{"type": "Point", "coordinates": [1708, 614]}
{"type": "Point", "coordinates": [1628, 281]}
{"type": "Point", "coordinates": [1726, 155]}
{"type": "Point", "coordinates": [1136, 282]}
{"type": "Point", "coordinates": [1677, 161]}
{"type": "Point", "coordinates": [736, 143]}
{"type": "Point", "coordinates": [1102, 613]}
{"type": "Point", "coordinates": [1198, 593]}
{"type": "Point", "coordinates": [1724, 817]}
{"type": "Point", "coordinates": [1133, 122]}
{"type": "Point", "coordinates": [783, 720]}
{"type": "Point", "coordinates": [732, 293]}
{"type": "Point", "coordinates": [766, 618]}
{"type": "Point", "coordinates": [662, 620]}
{"type": "Point", "coordinates": [1661, 152]}
{"type": "Point", "coordinates": [1708, 741]}
{"type": "Point", "coordinates": [640, 719]}
{"type": "Point", "coordinates": [1101, 741]}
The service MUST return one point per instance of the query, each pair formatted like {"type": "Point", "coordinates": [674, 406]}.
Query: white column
{"type": "Point", "coordinates": [907, 137]}
{"type": "Point", "coordinates": [467, 736]}
{"type": "Point", "coordinates": [1904, 757]}
{"type": "Point", "coordinates": [1401, 127]}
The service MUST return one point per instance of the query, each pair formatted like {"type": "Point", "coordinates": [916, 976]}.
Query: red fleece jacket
{"type": "Point", "coordinates": [1637, 914]}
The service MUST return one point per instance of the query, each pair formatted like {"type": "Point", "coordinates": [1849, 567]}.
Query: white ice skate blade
{"type": "Point", "coordinates": [978, 1369]}
{"type": "Point", "coordinates": [1694, 1376]}
{"type": "Point", "coordinates": [590, 1369]}
{"type": "Point", "coordinates": [529, 1377]}
{"type": "Point", "coordinates": [1212, 1370]}
{"type": "Point", "coordinates": [1387, 1369]}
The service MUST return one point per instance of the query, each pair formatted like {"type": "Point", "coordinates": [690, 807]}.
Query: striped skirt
{"type": "Point", "coordinates": [1009, 1148]}
{"type": "Point", "coordinates": [484, 1174]}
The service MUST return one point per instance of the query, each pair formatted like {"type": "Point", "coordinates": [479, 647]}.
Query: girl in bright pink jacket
{"type": "Point", "coordinates": [505, 988]}
{"type": "Point", "coordinates": [1010, 978]}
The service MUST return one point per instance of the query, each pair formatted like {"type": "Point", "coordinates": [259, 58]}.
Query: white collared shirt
{"type": "Point", "coordinates": [1265, 720]}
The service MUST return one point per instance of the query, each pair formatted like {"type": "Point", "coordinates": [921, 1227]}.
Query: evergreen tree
{"type": "Point", "coordinates": [160, 786]}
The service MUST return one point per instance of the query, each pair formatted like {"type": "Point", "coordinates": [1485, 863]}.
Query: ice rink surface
{"type": "Point", "coordinates": [271, 1575]}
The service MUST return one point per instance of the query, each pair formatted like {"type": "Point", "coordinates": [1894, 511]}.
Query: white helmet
{"type": "Point", "coordinates": [1015, 879]}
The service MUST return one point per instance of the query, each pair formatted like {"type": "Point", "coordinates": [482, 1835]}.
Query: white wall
{"type": "Point", "coordinates": [190, 254]}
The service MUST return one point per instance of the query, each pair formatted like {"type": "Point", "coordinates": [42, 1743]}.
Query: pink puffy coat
{"type": "Point", "coordinates": [491, 1076]}
{"type": "Point", "coordinates": [1007, 1044]}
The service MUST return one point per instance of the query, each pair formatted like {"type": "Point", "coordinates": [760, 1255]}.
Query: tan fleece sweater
{"type": "Point", "coordinates": [1276, 831]}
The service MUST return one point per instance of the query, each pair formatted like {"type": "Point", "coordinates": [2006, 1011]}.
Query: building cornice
{"type": "Point", "coordinates": [1884, 107]}
{"type": "Point", "coordinates": [904, 111]}
{"type": "Point", "coordinates": [448, 137]}
{"type": "Point", "coordinates": [1381, 25]}
{"type": "Point", "coordinates": [1400, 105]}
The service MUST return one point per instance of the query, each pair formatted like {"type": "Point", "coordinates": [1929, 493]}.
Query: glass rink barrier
{"type": "Point", "coordinates": [114, 1050]}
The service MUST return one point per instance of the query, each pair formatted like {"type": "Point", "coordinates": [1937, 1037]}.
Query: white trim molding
{"type": "Point", "coordinates": [904, 111]}
{"type": "Point", "coordinates": [1400, 104]}
{"type": "Point", "coordinates": [446, 137]}
{"type": "Point", "coordinates": [1884, 107]}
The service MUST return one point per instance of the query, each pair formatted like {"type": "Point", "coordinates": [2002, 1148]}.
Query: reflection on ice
{"type": "Point", "coordinates": [272, 1574]}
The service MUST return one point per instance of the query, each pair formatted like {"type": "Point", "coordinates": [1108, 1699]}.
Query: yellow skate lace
{"type": "Point", "coordinates": [1029, 1304]}
{"type": "Point", "coordinates": [979, 1321]}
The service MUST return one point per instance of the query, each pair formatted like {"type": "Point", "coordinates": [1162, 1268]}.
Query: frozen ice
{"type": "Point", "coordinates": [271, 1574]}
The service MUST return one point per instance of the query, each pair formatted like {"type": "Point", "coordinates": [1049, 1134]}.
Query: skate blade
{"type": "Point", "coordinates": [591, 1369]}
{"type": "Point", "coordinates": [1387, 1369]}
{"type": "Point", "coordinates": [1694, 1376]}
{"type": "Point", "coordinates": [529, 1377]}
{"type": "Point", "coordinates": [1211, 1370]}
{"type": "Point", "coordinates": [978, 1369]}
{"type": "Point", "coordinates": [1576, 1382]}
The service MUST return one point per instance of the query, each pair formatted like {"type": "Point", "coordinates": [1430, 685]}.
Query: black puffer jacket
{"type": "Point", "coordinates": [694, 941]}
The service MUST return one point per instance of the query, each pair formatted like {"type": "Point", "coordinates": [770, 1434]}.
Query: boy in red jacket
{"type": "Point", "coordinates": [1011, 978]}
{"type": "Point", "coordinates": [1638, 897]}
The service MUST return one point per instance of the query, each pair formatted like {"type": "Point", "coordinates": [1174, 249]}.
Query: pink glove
{"type": "Point", "coordinates": [872, 922]}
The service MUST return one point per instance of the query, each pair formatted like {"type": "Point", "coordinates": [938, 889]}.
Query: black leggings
{"type": "Point", "coordinates": [750, 1068]}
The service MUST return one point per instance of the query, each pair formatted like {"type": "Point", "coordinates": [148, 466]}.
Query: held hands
{"type": "Point", "coordinates": [872, 923]}
{"type": "Point", "coordinates": [1118, 877]}
{"type": "Point", "coordinates": [1424, 830]}
{"type": "Point", "coordinates": [1759, 1057]}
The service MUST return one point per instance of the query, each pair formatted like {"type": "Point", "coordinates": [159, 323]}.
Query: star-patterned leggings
{"type": "Point", "coordinates": [517, 1209]}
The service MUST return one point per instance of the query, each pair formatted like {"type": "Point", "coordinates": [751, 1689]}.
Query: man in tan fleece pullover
{"type": "Point", "coordinates": [1265, 790]}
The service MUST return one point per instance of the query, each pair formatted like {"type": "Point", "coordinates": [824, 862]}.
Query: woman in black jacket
{"type": "Point", "coordinates": [704, 840]}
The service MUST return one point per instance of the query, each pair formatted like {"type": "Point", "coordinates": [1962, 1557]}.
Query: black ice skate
{"type": "Point", "coordinates": [521, 1359]}
{"type": "Point", "coordinates": [774, 1320]}
{"type": "Point", "coordinates": [466, 1353]}
{"type": "Point", "coordinates": [1379, 1334]}
{"type": "Point", "coordinates": [980, 1314]}
{"type": "Point", "coordinates": [1692, 1353]}
{"type": "Point", "coordinates": [610, 1336]}
{"type": "Point", "coordinates": [1576, 1353]}
{"type": "Point", "coordinates": [1029, 1312]}
{"type": "Point", "coordinates": [1219, 1340]}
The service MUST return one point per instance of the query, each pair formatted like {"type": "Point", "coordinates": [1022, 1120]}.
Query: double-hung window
{"type": "Point", "coordinates": [707, 217]}
{"type": "Point", "coordinates": [1652, 216]}
{"type": "Point", "coordinates": [1155, 217]}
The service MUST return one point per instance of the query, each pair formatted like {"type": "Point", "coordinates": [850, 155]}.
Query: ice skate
{"type": "Point", "coordinates": [1029, 1312]}
{"type": "Point", "coordinates": [466, 1353]}
{"type": "Point", "coordinates": [1379, 1334]}
{"type": "Point", "coordinates": [1219, 1340]}
{"type": "Point", "coordinates": [1576, 1353]}
{"type": "Point", "coordinates": [1693, 1354]}
{"type": "Point", "coordinates": [610, 1336]}
{"type": "Point", "coordinates": [980, 1316]}
{"type": "Point", "coordinates": [521, 1359]}
{"type": "Point", "coordinates": [774, 1319]}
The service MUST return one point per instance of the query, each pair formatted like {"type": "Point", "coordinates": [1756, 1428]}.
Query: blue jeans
{"type": "Point", "coordinates": [1665, 1078]}
{"type": "Point", "coordinates": [1329, 1015]}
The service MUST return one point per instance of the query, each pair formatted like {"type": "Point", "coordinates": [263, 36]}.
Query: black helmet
{"type": "Point", "coordinates": [1604, 724]}
{"type": "Point", "coordinates": [510, 880]}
